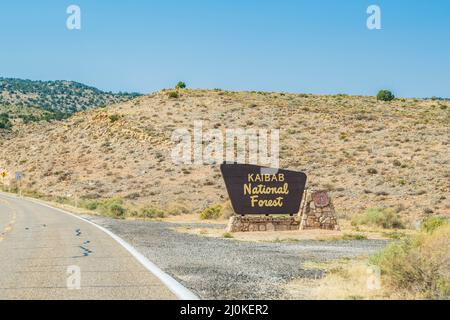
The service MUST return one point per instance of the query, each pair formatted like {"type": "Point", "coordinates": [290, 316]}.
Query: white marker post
{"type": "Point", "coordinates": [19, 176]}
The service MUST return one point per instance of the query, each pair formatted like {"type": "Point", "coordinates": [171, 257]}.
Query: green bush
{"type": "Point", "coordinates": [109, 207]}
{"type": "Point", "coordinates": [418, 264]}
{"type": "Point", "coordinates": [174, 95]}
{"type": "Point", "coordinates": [116, 210]}
{"type": "Point", "coordinates": [180, 85]}
{"type": "Point", "coordinates": [114, 118]}
{"type": "Point", "coordinates": [151, 213]}
{"type": "Point", "coordinates": [211, 213]}
{"type": "Point", "coordinates": [385, 218]}
{"type": "Point", "coordinates": [5, 123]}
{"type": "Point", "coordinates": [348, 236]}
{"type": "Point", "coordinates": [89, 204]}
{"type": "Point", "coordinates": [112, 207]}
{"type": "Point", "coordinates": [430, 224]}
{"type": "Point", "coordinates": [228, 235]}
{"type": "Point", "coordinates": [385, 95]}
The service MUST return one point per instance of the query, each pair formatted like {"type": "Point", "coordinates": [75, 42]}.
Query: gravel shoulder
{"type": "Point", "coordinates": [218, 268]}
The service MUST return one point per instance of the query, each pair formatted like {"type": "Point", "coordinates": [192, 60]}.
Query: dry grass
{"type": "Point", "coordinates": [416, 267]}
{"type": "Point", "coordinates": [345, 280]}
{"type": "Point", "coordinates": [419, 265]}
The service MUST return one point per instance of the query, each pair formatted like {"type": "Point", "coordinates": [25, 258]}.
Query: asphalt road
{"type": "Point", "coordinates": [39, 245]}
{"type": "Point", "coordinates": [44, 251]}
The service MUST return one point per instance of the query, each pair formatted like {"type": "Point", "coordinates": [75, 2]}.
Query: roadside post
{"type": "Point", "coordinates": [3, 174]}
{"type": "Point", "coordinates": [19, 177]}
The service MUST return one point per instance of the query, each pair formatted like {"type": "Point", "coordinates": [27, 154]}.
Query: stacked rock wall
{"type": "Point", "coordinates": [257, 223]}
{"type": "Point", "coordinates": [318, 212]}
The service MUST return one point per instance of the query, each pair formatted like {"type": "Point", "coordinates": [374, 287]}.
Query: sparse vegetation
{"type": "Point", "coordinates": [62, 96]}
{"type": "Point", "coordinates": [385, 95]}
{"type": "Point", "coordinates": [180, 85]}
{"type": "Point", "coordinates": [5, 123]}
{"type": "Point", "coordinates": [228, 235]}
{"type": "Point", "coordinates": [113, 207]}
{"type": "Point", "coordinates": [385, 218]}
{"type": "Point", "coordinates": [419, 264]}
{"type": "Point", "coordinates": [85, 155]}
{"type": "Point", "coordinates": [114, 118]}
{"type": "Point", "coordinates": [12, 115]}
{"type": "Point", "coordinates": [348, 236]}
{"type": "Point", "coordinates": [151, 213]}
{"type": "Point", "coordinates": [430, 224]}
{"type": "Point", "coordinates": [211, 213]}
{"type": "Point", "coordinates": [173, 95]}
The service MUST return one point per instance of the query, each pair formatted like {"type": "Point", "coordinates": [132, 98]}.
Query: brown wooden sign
{"type": "Point", "coordinates": [260, 190]}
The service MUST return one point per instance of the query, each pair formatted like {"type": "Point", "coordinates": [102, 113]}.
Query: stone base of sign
{"type": "Point", "coordinates": [257, 223]}
{"type": "Point", "coordinates": [318, 212]}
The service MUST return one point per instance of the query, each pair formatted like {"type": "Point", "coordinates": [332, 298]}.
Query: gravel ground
{"type": "Point", "coordinates": [216, 268]}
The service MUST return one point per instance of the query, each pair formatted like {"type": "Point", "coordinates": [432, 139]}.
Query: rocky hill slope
{"type": "Point", "coordinates": [63, 96]}
{"type": "Point", "coordinates": [367, 153]}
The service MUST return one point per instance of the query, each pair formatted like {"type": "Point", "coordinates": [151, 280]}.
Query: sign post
{"type": "Point", "coordinates": [3, 174]}
{"type": "Point", "coordinates": [19, 177]}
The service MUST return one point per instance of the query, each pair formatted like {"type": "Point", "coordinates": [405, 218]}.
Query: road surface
{"type": "Point", "coordinates": [47, 254]}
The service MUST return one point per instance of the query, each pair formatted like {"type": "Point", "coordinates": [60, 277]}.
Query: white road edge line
{"type": "Point", "coordinates": [173, 285]}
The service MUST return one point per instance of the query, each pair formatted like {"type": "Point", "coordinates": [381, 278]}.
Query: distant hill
{"type": "Point", "coordinates": [62, 96]}
{"type": "Point", "coordinates": [10, 115]}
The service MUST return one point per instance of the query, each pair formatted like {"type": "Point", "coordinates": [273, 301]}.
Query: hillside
{"type": "Point", "coordinates": [63, 96]}
{"type": "Point", "coordinates": [367, 153]}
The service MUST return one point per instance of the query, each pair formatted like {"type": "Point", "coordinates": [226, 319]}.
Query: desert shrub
{"type": "Point", "coordinates": [109, 207]}
{"type": "Point", "coordinates": [228, 235]}
{"type": "Point", "coordinates": [173, 95]}
{"type": "Point", "coordinates": [133, 196]}
{"type": "Point", "coordinates": [89, 204]}
{"type": "Point", "coordinates": [397, 163]}
{"type": "Point", "coordinates": [114, 118]}
{"type": "Point", "coordinates": [180, 85]}
{"type": "Point", "coordinates": [430, 224]}
{"type": "Point", "coordinates": [33, 194]}
{"type": "Point", "coordinates": [418, 264]}
{"type": "Point", "coordinates": [211, 213]}
{"type": "Point", "coordinates": [348, 236]}
{"type": "Point", "coordinates": [385, 95]}
{"type": "Point", "coordinates": [176, 209]}
{"type": "Point", "coordinates": [151, 213]}
{"type": "Point", "coordinates": [5, 123]}
{"type": "Point", "coordinates": [116, 210]}
{"type": "Point", "coordinates": [385, 218]}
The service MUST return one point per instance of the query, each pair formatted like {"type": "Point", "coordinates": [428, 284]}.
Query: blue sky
{"type": "Point", "coordinates": [320, 46]}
